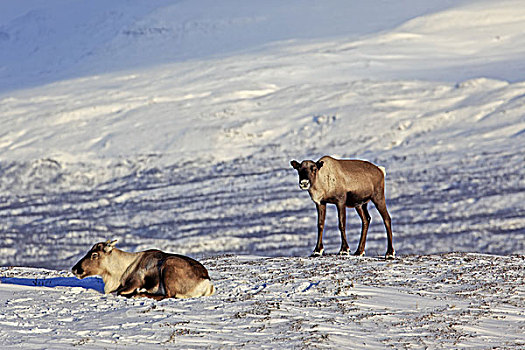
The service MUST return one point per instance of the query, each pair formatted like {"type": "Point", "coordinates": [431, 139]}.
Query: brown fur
{"type": "Point", "coordinates": [345, 183]}
{"type": "Point", "coordinates": [151, 273]}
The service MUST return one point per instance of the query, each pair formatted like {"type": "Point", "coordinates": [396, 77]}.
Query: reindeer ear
{"type": "Point", "coordinates": [319, 164]}
{"type": "Point", "coordinates": [295, 164]}
{"type": "Point", "coordinates": [109, 245]}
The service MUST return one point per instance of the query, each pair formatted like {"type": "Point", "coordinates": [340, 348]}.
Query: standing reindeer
{"type": "Point", "coordinates": [345, 183]}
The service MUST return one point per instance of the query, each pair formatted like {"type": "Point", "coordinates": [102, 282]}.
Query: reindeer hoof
{"type": "Point", "coordinates": [390, 255]}
{"type": "Point", "coordinates": [344, 252]}
{"type": "Point", "coordinates": [317, 253]}
{"type": "Point", "coordinates": [358, 253]}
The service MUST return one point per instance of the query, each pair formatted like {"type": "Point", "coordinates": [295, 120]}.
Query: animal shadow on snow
{"type": "Point", "coordinates": [94, 283]}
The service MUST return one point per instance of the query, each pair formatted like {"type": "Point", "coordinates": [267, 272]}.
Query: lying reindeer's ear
{"type": "Point", "coordinates": [319, 164]}
{"type": "Point", "coordinates": [295, 164]}
{"type": "Point", "coordinates": [109, 245]}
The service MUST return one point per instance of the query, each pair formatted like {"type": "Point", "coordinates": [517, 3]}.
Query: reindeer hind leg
{"type": "Point", "coordinates": [380, 204]}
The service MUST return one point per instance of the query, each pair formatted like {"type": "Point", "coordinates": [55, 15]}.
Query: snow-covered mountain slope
{"type": "Point", "coordinates": [46, 41]}
{"type": "Point", "coordinates": [187, 148]}
{"type": "Point", "coordinates": [460, 301]}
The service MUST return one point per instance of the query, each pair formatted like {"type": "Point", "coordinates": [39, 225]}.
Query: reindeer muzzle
{"type": "Point", "coordinates": [304, 184]}
{"type": "Point", "coordinates": [77, 271]}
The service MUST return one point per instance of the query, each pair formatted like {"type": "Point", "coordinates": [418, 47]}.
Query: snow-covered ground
{"type": "Point", "coordinates": [450, 301]}
{"type": "Point", "coordinates": [171, 124]}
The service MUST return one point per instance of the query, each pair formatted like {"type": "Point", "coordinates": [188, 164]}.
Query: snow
{"type": "Point", "coordinates": [437, 301]}
{"type": "Point", "coordinates": [171, 124]}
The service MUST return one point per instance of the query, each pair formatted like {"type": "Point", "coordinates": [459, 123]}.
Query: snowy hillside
{"type": "Point", "coordinates": [192, 155]}
{"type": "Point", "coordinates": [49, 40]}
{"type": "Point", "coordinates": [171, 124]}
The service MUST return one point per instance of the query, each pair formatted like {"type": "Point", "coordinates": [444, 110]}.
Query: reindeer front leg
{"type": "Point", "coordinates": [341, 214]}
{"type": "Point", "coordinates": [321, 214]}
{"type": "Point", "coordinates": [129, 287]}
{"type": "Point", "coordinates": [362, 211]}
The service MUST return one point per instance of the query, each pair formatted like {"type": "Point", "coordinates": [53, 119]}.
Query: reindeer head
{"type": "Point", "coordinates": [94, 262]}
{"type": "Point", "coordinates": [308, 171]}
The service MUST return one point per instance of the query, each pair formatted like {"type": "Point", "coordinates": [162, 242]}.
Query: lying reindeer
{"type": "Point", "coordinates": [151, 273]}
{"type": "Point", "coordinates": [345, 183]}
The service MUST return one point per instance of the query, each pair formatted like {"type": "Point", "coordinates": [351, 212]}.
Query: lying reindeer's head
{"type": "Point", "coordinates": [307, 170]}
{"type": "Point", "coordinates": [94, 261]}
